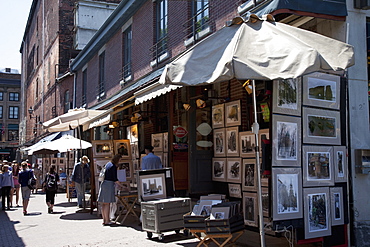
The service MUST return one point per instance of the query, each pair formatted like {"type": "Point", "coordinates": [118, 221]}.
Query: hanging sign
{"type": "Point", "coordinates": [180, 132]}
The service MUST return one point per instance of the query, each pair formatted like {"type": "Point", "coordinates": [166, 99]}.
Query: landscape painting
{"type": "Point", "coordinates": [287, 96]}
{"type": "Point", "coordinates": [247, 144]}
{"type": "Point", "coordinates": [219, 169]}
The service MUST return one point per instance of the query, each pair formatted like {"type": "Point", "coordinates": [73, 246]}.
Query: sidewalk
{"type": "Point", "coordinates": [67, 228]}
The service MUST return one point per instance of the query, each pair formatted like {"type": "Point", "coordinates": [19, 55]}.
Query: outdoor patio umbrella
{"type": "Point", "coordinates": [67, 143]}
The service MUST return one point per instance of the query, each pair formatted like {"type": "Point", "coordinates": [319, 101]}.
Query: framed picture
{"type": "Point", "coordinates": [232, 113]}
{"type": "Point", "coordinates": [318, 166]}
{"type": "Point", "coordinates": [218, 115]}
{"type": "Point", "coordinates": [287, 96]}
{"type": "Point", "coordinates": [247, 144]}
{"type": "Point", "coordinates": [265, 202]}
{"type": "Point", "coordinates": [102, 148]}
{"type": "Point", "coordinates": [135, 150]}
{"type": "Point", "coordinates": [220, 213]}
{"type": "Point", "coordinates": [337, 206]}
{"type": "Point", "coordinates": [235, 190]}
{"type": "Point", "coordinates": [134, 133]}
{"type": "Point", "coordinates": [157, 142]}
{"type": "Point", "coordinates": [234, 172]}
{"type": "Point", "coordinates": [340, 163]}
{"type": "Point", "coordinates": [126, 165]}
{"type": "Point", "coordinates": [287, 138]}
{"type": "Point", "coordinates": [250, 209]}
{"type": "Point", "coordinates": [263, 134]}
{"type": "Point", "coordinates": [152, 186]}
{"type": "Point", "coordinates": [232, 142]}
{"type": "Point", "coordinates": [219, 169]}
{"type": "Point", "coordinates": [322, 90]}
{"type": "Point", "coordinates": [321, 126]}
{"type": "Point", "coordinates": [286, 193]}
{"type": "Point", "coordinates": [317, 222]}
{"type": "Point", "coordinates": [165, 142]}
{"type": "Point", "coordinates": [219, 142]}
{"type": "Point", "coordinates": [99, 163]}
{"type": "Point", "coordinates": [249, 179]}
{"type": "Point", "coordinates": [123, 148]}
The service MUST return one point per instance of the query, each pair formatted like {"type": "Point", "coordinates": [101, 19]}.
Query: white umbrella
{"type": "Point", "coordinates": [67, 143]}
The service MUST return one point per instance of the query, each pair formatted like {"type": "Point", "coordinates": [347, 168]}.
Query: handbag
{"type": "Point", "coordinates": [102, 174]}
{"type": "Point", "coordinates": [31, 181]}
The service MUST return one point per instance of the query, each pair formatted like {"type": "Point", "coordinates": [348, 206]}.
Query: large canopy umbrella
{"type": "Point", "coordinates": [67, 143]}
{"type": "Point", "coordinates": [257, 49]}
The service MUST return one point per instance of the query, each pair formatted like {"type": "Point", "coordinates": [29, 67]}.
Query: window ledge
{"type": "Point", "coordinates": [161, 58]}
{"type": "Point", "coordinates": [125, 80]}
{"type": "Point", "coordinates": [198, 36]}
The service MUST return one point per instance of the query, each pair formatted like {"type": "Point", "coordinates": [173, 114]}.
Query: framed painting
{"type": "Point", "coordinates": [234, 170]}
{"type": "Point", "coordinates": [99, 163]}
{"type": "Point", "coordinates": [247, 144]}
{"type": "Point", "coordinates": [250, 209]}
{"type": "Point", "coordinates": [287, 138]}
{"type": "Point", "coordinates": [249, 171]}
{"type": "Point", "coordinates": [318, 166]}
{"type": "Point", "coordinates": [218, 115]}
{"type": "Point", "coordinates": [219, 143]}
{"type": "Point", "coordinates": [220, 213]}
{"type": "Point", "coordinates": [219, 169]}
{"type": "Point", "coordinates": [317, 222]}
{"type": "Point", "coordinates": [165, 142]}
{"type": "Point", "coordinates": [287, 96]}
{"type": "Point", "coordinates": [321, 126]}
{"type": "Point", "coordinates": [322, 90]}
{"type": "Point", "coordinates": [265, 202]}
{"type": "Point", "coordinates": [232, 142]}
{"type": "Point", "coordinates": [123, 148]}
{"type": "Point", "coordinates": [102, 148]}
{"type": "Point", "coordinates": [152, 187]}
{"type": "Point", "coordinates": [157, 142]}
{"type": "Point", "coordinates": [235, 190]}
{"type": "Point", "coordinates": [337, 206]}
{"type": "Point", "coordinates": [286, 193]}
{"type": "Point", "coordinates": [340, 163]}
{"type": "Point", "coordinates": [126, 165]}
{"type": "Point", "coordinates": [232, 113]}
{"type": "Point", "coordinates": [134, 133]}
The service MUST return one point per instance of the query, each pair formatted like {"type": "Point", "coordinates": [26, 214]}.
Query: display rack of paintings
{"type": "Point", "coordinates": [247, 144]}
{"type": "Point", "coordinates": [102, 148]}
{"type": "Point", "coordinates": [234, 170]}
{"type": "Point", "coordinates": [250, 209]}
{"type": "Point", "coordinates": [287, 96]}
{"type": "Point", "coordinates": [235, 190]}
{"type": "Point", "coordinates": [336, 202]}
{"type": "Point", "coordinates": [249, 179]}
{"type": "Point", "coordinates": [232, 113]}
{"type": "Point", "coordinates": [219, 142]}
{"type": "Point", "coordinates": [219, 169]}
{"type": "Point", "coordinates": [232, 142]}
{"type": "Point", "coordinates": [340, 163]}
{"type": "Point", "coordinates": [157, 142]}
{"type": "Point", "coordinates": [123, 148]}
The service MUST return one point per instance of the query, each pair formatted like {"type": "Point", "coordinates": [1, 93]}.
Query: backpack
{"type": "Point", "coordinates": [51, 183]}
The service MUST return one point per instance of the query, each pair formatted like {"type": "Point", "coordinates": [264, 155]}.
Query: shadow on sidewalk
{"type": "Point", "coordinates": [79, 216]}
{"type": "Point", "coordinates": [8, 235]}
{"type": "Point", "coordinates": [66, 204]}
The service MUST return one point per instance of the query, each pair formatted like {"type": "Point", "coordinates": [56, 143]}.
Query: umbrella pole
{"type": "Point", "coordinates": [255, 130]}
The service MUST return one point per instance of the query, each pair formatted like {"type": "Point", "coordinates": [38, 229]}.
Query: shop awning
{"type": "Point", "coordinates": [99, 120]}
{"type": "Point", "coordinates": [152, 91]}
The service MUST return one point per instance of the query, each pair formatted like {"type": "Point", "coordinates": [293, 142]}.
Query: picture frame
{"type": "Point", "coordinates": [287, 137]}
{"type": "Point", "coordinates": [235, 190]}
{"type": "Point", "coordinates": [134, 133]}
{"type": "Point", "coordinates": [265, 201]}
{"type": "Point", "coordinates": [99, 163]}
{"type": "Point", "coordinates": [250, 209]}
{"type": "Point", "coordinates": [219, 169]}
{"type": "Point", "coordinates": [232, 142]}
{"type": "Point", "coordinates": [321, 126]}
{"type": "Point", "coordinates": [263, 134]}
{"type": "Point", "coordinates": [219, 143]}
{"type": "Point", "coordinates": [321, 90]}
{"type": "Point", "coordinates": [205, 207]}
{"type": "Point", "coordinates": [135, 150]}
{"type": "Point", "coordinates": [102, 148]}
{"type": "Point", "coordinates": [152, 186]}
{"type": "Point", "coordinates": [234, 170]}
{"type": "Point", "coordinates": [286, 193]}
{"type": "Point", "coordinates": [220, 213]}
{"type": "Point", "coordinates": [247, 144]}
{"type": "Point", "coordinates": [337, 206]}
{"type": "Point", "coordinates": [317, 220]}
{"type": "Point", "coordinates": [123, 147]}
{"type": "Point", "coordinates": [157, 142]}
{"type": "Point", "coordinates": [124, 164]}
{"type": "Point", "coordinates": [287, 96]}
{"type": "Point", "coordinates": [232, 113]}
{"type": "Point", "coordinates": [165, 142]}
{"type": "Point", "coordinates": [318, 166]}
{"type": "Point", "coordinates": [340, 164]}
{"type": "Point", "coordinates": [249, 179]}
{"type": "Point", "coordinates": [218, 116]}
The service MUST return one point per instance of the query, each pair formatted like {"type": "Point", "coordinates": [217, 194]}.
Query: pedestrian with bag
{"type": "Point", "coordinates": [81, 176]}
{"type": "Point", "coordinates": [17, 186]}
{"type": "Point", "coordinates": [50, 186]}
{"type": "Point", "coordinates": [27, 180]}
{"type": "Point", "coordinates": [6, 185]}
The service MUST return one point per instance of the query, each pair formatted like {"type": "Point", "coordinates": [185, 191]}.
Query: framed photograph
{"type": "Point", "coordinates": [318, 166]}
{"type": "Point", "coordinates": [286, 193]}
{"type": "Point", "coordinates": [340, 163]}
{"type": "Point", "coordinates": [218, 116]}
{"type": "Point", "coordinates": [265, 202]}
{"type": "Point", "coordinates": [232, 142]}
{"type": "Point", "coordinates": [219, 169]}
{"type": "Point", "coordinates": [235, 190]}
{"type": "Point", "coordinates": [317, 222]}
{"type": "Point", "coordinates": [152, 186]}
{"type": "Point", "coordinates": [322, 90]}
{"type": "Point", "coordinates": [287, 96]}
{"type": "Point", "coordinates": [220, 213]}
{"type": "Point", "coordinates": [102, 148]}
{"type": "Point", "coordinates": [250, 209]}
{"type": "Point", "coordinates": [337, 206]}
{"type": "Point", "coordinates": [247, 144]}
{"type": "Point", "coordinates": [287, 138]}
{"type": "Point", "coordinates": [321, 126]}
{"type": "Point", "coordinates": [249, 179]}
{"type": "Point", "coordinates": [99, 163]}
{"type": "Point", "coordinates": [157, 142]}
{"type": "Point", "coordinates": [126, 165]}
{"type": "Point", "coordinates": [219, 141]}
{"type": "Point", "coordinates": [135, 150]}
{"type": "Point", "coordinates": [165, 142]}
{"type": "Point", "coordinates": [234, 172]}
{"type": "Point", "coordinates": [123, 148]}
{"type": "Point", "coordinates": [232, 113]}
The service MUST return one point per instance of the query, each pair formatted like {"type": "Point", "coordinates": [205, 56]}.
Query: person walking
{"type": "Point", "coordinates": [23, 177]}
{"type": "Point", "coordinates": [81, 176]}
{"type": "Point", "coordinates": [17, 186]}
{"type": "Point", "coordinates": [150, 161]}
{"type": "Point", "coordinates": [6, 184]}
{"type": "Point", "coordinates": [50, 186]}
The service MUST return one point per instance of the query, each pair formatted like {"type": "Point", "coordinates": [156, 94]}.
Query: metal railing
{"type": "Point", "coordinates": [197, 23]}
{"type": "Point", "coordinates": [159, 48]}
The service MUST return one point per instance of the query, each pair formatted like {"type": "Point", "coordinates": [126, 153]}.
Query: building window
{"type": "Point", "coordinates": [1, 112]}
{"type": "Point", "coordinates": [66, 101]}
{"type": "Point", "coordinates": [13, 112]}
{"type": "Point", "coordinates": [101, 74]}
{"type": "Point", "coordinates": [127, 40]}
{"type": "Point", "coordinates": [160, 47]}
{"type": "Point", "coordinates": [13, 96]}
{"type": "Point", "coordinates": [84, 86]}
{"type": "Point", "coordinates": [200, 13]}
{"type": "Point", "coordinates": [1, 96]}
